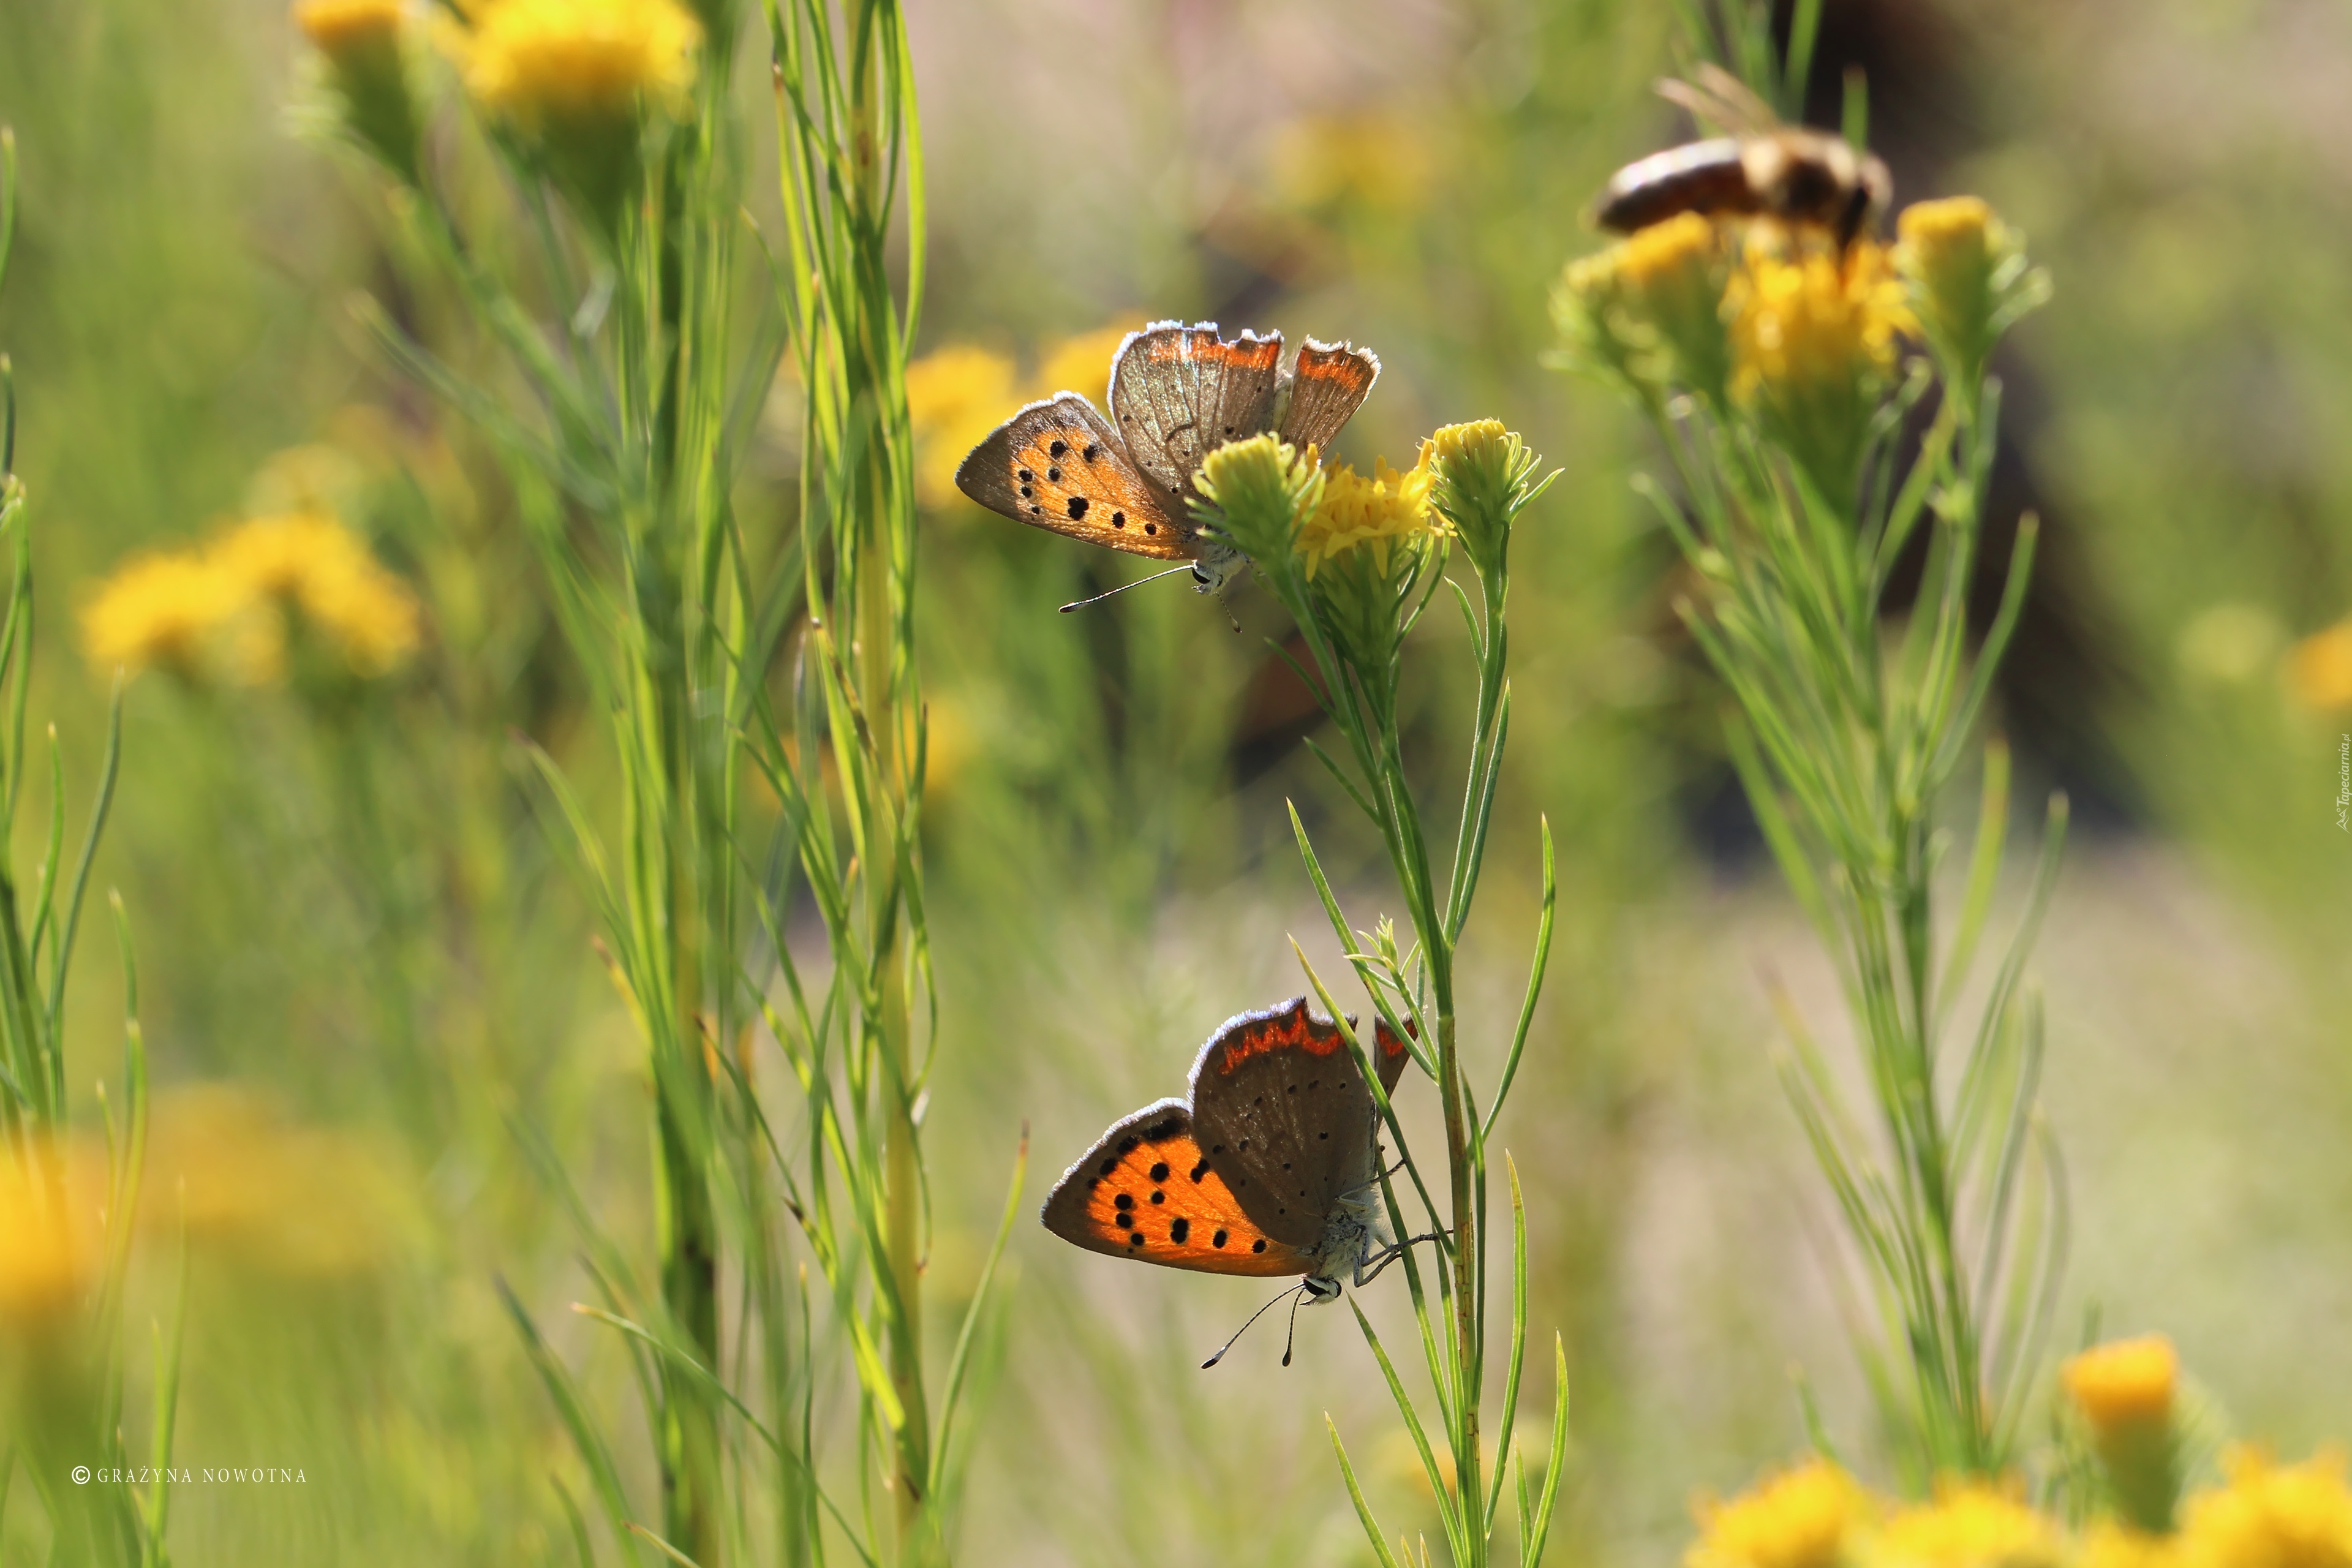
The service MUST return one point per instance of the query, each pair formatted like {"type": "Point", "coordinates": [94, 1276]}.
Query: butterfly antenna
{"type": "Point", "coordinates": [1254, 1317]}
{"type": "Point", "coordinates": [1123, 587]}
{"type": "Point", "coordinates": [1291, 1334]}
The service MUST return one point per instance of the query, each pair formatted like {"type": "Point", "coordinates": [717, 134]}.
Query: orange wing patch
{"type": "Point", "coordinates": [1290, 1027]}
{"type": "Point", "coordinates": [1156, 1199]}
{"type": "Point", "coordinates": [1071, 480]}
{"type": "Point", "coordinates": [1202, 343]}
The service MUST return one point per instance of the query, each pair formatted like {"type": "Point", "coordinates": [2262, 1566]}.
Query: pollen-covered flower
{"type": "Point", "coordinates": [2319, 669]}
{"type": "Point", "coordinates": [1376, 514]}
{"type": "Point", "coordinates": [1968, 276]}
{"type": "Point", "coordinates": [160, 609]}
{"type": "Point", "coordinates": [2272, 1516]}
{"type": "Point", "coordinates": [315, 567]}
{"type": "Point", "coordinates": [1814, 337]}
{"type": "Point", "coordinates": [1970, 1524]}
{"type": "Point", "coordinates": [1808, 1517]}
{"type": "Point", "coordinates": [365, 43]}
{"type": "Point", "coordinates": [955, 395]}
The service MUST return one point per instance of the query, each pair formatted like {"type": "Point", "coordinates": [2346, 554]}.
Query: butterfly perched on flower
{"type": "Point", "coordinates": [1271, 1167]}
{"type": "Point", "coordinates": [1177, 393]}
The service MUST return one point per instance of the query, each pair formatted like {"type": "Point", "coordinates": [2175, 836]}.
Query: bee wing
{"type": "Point", "coordinates": [1721, 99]}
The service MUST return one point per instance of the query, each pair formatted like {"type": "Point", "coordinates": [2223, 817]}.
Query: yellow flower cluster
{"type": "Point", "coordinates": [573, 61]}
{"type": "Point", "coordinates": [53, 1237]}
{"type": "Point", "coordinates": [1375, 514]}
{"type": "Point", "coordinates": [2264, 1515]}
{"type": "Point", "coordinates": [1806, 1518]}
{"type": "Point", "coordinates": [1809, 319]}
{"type": "Point", "coordinates": [175, 610]}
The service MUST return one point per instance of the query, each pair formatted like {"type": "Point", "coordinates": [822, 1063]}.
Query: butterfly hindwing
{"type": "Point", "coordinates": [1059, 465]}
{"type": "Point", "coordinates": [1325, 387]}
{"type": "Point", "coordinates": [1146, 1190]}
{"type": "Point", "coordinates": [1179, 393]}
{"type": "Point", "coordinates": [1286, 1117]}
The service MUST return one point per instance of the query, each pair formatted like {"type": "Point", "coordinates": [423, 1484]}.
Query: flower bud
{"type": "Point", "coordinates": [1258, 493]}
{"type": "Point", "coordinates": [365, 46]}
{"type": "Point", "coordinates": [2124, 1391]}
{"type": "Point", "coordinates": [1968, 280]}
{"type": "Point", "coordinates": [1479, 484]}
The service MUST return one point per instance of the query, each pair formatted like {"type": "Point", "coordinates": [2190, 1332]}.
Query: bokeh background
{"type": "Point", "coordinates": [363, 967]}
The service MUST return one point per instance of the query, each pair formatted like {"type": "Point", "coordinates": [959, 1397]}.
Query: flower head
{"type": "Point", "coordinates": [1674, 277]}
{"type": "Point", "coordinates": [2272, 1516]}
{"type": "Point", "coordinates": [1262, 493]}
{"type": "Point", "coordinates": [955, 395]}
{"type": "Point", "coordinates": [53, 1239]}
{"type": "Point", "coordinates": [1970, 1524]}
{"type": "Point", "coordinates": [1804, 1518]}
{"type": "Point", "coordinates": [2112, 1545]}
{"type": "Point", "coordinates": [365, 43]}
{"type": "Point", "coordinates": [578, 79]}
{"type": "Point", "coordinates": [1479, 484]}
{"type": "Point", "coordinates": [1814, 339]}
{"type": "Point", "coordinates": [2319, 669]}
{"type": "Point", "coordinates": [2125, 1383]}
{"type": "Point", "coordinates": [160, 609]}
{"type": "Point", "coordinates": [1374, 514]}
{"type": "Point", "coordinates": [1362, 547]}
{"type": "Point", "coordinates": [320, 569]}
{"type": "Point", "coordinates": [543, 63]}
{"type": "Point", "coordinates": [1968, 276]}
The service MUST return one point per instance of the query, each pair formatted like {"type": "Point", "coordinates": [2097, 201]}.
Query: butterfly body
{"type": "Point", "coordinates": [1126, 481]}
{"type": "Point", "coordinates": [1270, 1168]}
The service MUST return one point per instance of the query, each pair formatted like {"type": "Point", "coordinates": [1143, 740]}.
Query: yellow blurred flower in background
{"type": "Point", "coordinates": [1373, 159]}
{"type": "Point", "coordinates": [2112, 1545]}
{"type": "Point", "coordinates": [1673, 274]}
{"type": "Point", "coordinates": [1970, 1524]}
{"type": "Point", "coordinates": [317, 567]}
{"type": "Point", "coordinates": [1376, 514]}
{"type": "Point", "coordinates": [51, 1232]}
{"type": "Point", "coordinates": [341, 27]}
{"type": "Point", "coordinates": [1805, 1517]}
{"type": "Point", "coordinates": [1081, 364]}
{"type": "Point", "coordinates": [2125, 1383]}
{"type": "Point", "coordinates": [2319, 669]}
{"type": "Point", "coordinates": [553, 63]}
{"type": "Point", "coordinates": [365, 43]}
{"type": "Point", "coordinates": [160, 610]}
{"type": "Point", "coordinates": [955, 396]}
{"type": "Point", "coordinates": [1814, 336]}
{"type": "Point", "coordinates": [2272, 1516]}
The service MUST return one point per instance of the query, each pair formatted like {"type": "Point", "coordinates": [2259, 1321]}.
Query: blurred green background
{"type": "Point", "coordinates": [348, 914]}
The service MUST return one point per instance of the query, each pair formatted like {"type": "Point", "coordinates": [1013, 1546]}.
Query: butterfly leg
{"type": "Point", "coordinates": [1370, 1268]}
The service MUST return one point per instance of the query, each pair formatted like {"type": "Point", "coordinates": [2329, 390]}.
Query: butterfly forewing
{"type": "Point", "coordinates": [1327, 386]}
{"type": "Point", "coordinates": [1286, 1117]}
{"type": "Point", "coordinates": [1179, 393]}
{"type": "Point", "coordinates": [1147, 1190]}
{"type": "Point", "coordinates": [1060, 466]}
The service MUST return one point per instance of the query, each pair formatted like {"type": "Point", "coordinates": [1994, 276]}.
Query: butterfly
{"type": "Point", "coordinates": [1177, 393]}
{"type": "Point", "coordinates": [1272, 1167]}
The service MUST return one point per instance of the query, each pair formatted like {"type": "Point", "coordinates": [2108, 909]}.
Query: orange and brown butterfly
{"type": "Point", "coordinates": [1177, 393]}
{"type": "Point", "coordinates": [1271, 1167]}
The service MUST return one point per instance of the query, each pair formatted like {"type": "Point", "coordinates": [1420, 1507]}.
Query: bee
{"type": "Point", "coordinates": [1791, 173]}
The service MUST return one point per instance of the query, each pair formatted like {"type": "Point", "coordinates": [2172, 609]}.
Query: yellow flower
{"type": "Point", "coordinates": [314, 565]}
{"type": "Point", "coordinates": [1081, 364]}
{"type": "Point", "coordinates": [1968, 278]}
{"type": "Point", "coordinates": [1672, 274]}
{"type": "Point", "coordinates": [955, 396]}
{"type": "Point", "coordinates": [52, 1239]}
{"type": "Point", "coordinates": [1349, 162]}
{"type": "Point", "coordinates": [2125, 1383]}
{"type": "Point", "coordinates": [337, 28]}
{"type": "Point", "coordinates": [2272, 1516]}
{"type": "Point", "coordinates": [540, 62]}
{"type": "Point", "coordinates": [1804, 1517]}
{"type": "Point", "coordinates": [1479, 443]}
{"type": "Point", "coordinates": [1971, 1524]}
{"type": "Point", "coordinates": [2113, 1545]}
{"type": "Point", "coordinates": [160, 610]}
{"type": "Point", "coordinates": [2319, 669]}
{"type": "Point", "coordinates": [1813, 340]}
{"type": "Point", "coordinates": [1386, 510]}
